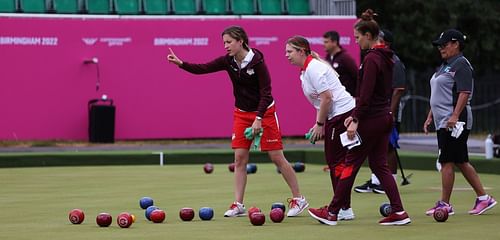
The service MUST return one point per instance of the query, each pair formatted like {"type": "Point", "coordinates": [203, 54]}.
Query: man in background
{"type": "Point", "coordinates": [341, 61]}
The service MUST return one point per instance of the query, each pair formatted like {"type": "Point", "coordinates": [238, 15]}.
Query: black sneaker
{"type": "Point", "coordinates": [365, 188]}
{"type": "Point", "coordinates": [378, 189]}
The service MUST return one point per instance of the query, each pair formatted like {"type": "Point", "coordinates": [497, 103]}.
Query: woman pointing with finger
{"type": "Point", "coordinates": [255, 108]}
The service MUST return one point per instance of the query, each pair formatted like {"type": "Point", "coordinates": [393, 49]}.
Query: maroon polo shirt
{"type": "Point", "coordinates": [347, 69]}
{"type": "Point", "coordinates": [251, 84]}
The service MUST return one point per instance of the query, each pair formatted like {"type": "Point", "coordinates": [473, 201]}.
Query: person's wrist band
{"type": "Point", "coordinates": [320, 123]}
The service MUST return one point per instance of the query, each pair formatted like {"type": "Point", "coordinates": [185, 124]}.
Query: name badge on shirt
{"type": "Point", "coordinates": [448, 70]}
{"type": "Point", "coordinates": [250, 71]}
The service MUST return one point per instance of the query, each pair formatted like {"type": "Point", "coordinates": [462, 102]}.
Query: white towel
{"type": "Point", "coordinates": [457, 129]}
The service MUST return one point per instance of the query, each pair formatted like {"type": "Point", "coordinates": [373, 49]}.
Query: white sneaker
{"type": "Point", "coordinates": [346, 214]}
{"type": "Point", "coordinates": [296, 206]}
{"type": "Point", "coordinates": [235, 210]}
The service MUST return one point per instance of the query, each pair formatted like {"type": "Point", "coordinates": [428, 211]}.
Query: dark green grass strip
{"type": "Point", "coordinates": [410, 160]}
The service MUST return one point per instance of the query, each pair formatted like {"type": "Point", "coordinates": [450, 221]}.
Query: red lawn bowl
{"type": "Point", "coordinates": [253, 210]}
{"type": "Point", "coordinates": [258, 219]}
{"type": "Point", "coordinates": [441, 214]}
{"type": "Point", "coordinates": [277, 215]}
{"type": "Point", "coordinates": [157, 216]}
{"type": "Point", "coordinates": [124, 220]}
{"type": "Point", "coordinates": [231, 167]}
{"type": "Point", "coordinates": [104, 219]}
{"type": "Point", "coordinates": [76, 216]}
{"type": "Point", "coordinates": [186, 214]}
{"type": "Point", "coordinates": [208, 168]}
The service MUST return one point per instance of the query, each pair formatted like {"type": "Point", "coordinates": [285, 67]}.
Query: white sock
{"type": "Point", "coordinates": [395, 176]}
{"type": "Point", "coordinates": [375, 180]}
{"type": "Point", "coordinates": [484, 197]}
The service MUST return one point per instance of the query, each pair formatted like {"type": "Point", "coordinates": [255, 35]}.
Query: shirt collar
{"type": "Point", "coordinates": [248, 58]}
{"type": "Point", "coordinates": [452, 59]}
{"type": "Point", "coordinates": [306, 63]}
{"type": "Point", "coordinates": [380, 45]}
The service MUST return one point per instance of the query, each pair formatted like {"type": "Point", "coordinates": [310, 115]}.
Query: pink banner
{"type": "Point", "coordinates": [46, 83]}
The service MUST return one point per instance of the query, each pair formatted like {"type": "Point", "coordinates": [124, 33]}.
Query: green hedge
{"type": "Point", "coordinates": [410, 160]}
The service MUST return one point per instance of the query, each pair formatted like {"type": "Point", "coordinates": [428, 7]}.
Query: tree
{"type": "Point", "coordinates": [415, 23]}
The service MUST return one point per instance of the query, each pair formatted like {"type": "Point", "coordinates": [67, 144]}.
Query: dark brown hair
{"type": "Point", "coordinates": [332, 35]}
{"type": "Point", "coordinates": [366, 24]}
{"type": "Point", "coordinates": [237, 33]}
{"type": "Point", "coordinates": [299, 43]}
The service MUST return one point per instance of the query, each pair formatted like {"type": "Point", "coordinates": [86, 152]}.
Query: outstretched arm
{"type": "Point", "coordinates": [215, 65]}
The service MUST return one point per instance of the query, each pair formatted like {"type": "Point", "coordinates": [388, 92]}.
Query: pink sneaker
{"type": "Point", "coordinates": [395, 219]}
{"type": "Point", "coordinates": [440, 204]}
{"type": "Point", "coordinates": [482, 206]}
{"type": "Point", "coordinates": [323, 216]}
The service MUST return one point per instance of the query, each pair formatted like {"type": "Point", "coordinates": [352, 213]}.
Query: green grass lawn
{"type": "Point", "coordinates": [34, 204]}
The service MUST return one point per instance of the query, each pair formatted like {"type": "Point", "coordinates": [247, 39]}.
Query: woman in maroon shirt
{"type": "Point", "coordinates": [371, 120]}
{"type": "Point", "coordinates": [255, 108]}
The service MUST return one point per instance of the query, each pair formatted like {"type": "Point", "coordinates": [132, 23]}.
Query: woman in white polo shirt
{"type": "Point", "coordinates": [322, 87]}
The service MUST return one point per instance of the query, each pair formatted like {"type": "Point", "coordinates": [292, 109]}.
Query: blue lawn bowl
{"type": "Point", "coordinates": [385, 209]}
{"type": "Point", "coordinates": [206, 213]}
{"type": "Point", "coordinates": [149, 210]}
{"type": "Point", "coordinates": [278, 205]}
{"type": "Point", "coordinates": [145, 202]}
{"type": "Point", "coordinates": [251, 168]}
{"type": "Point", "coordinates": [299, 166]}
